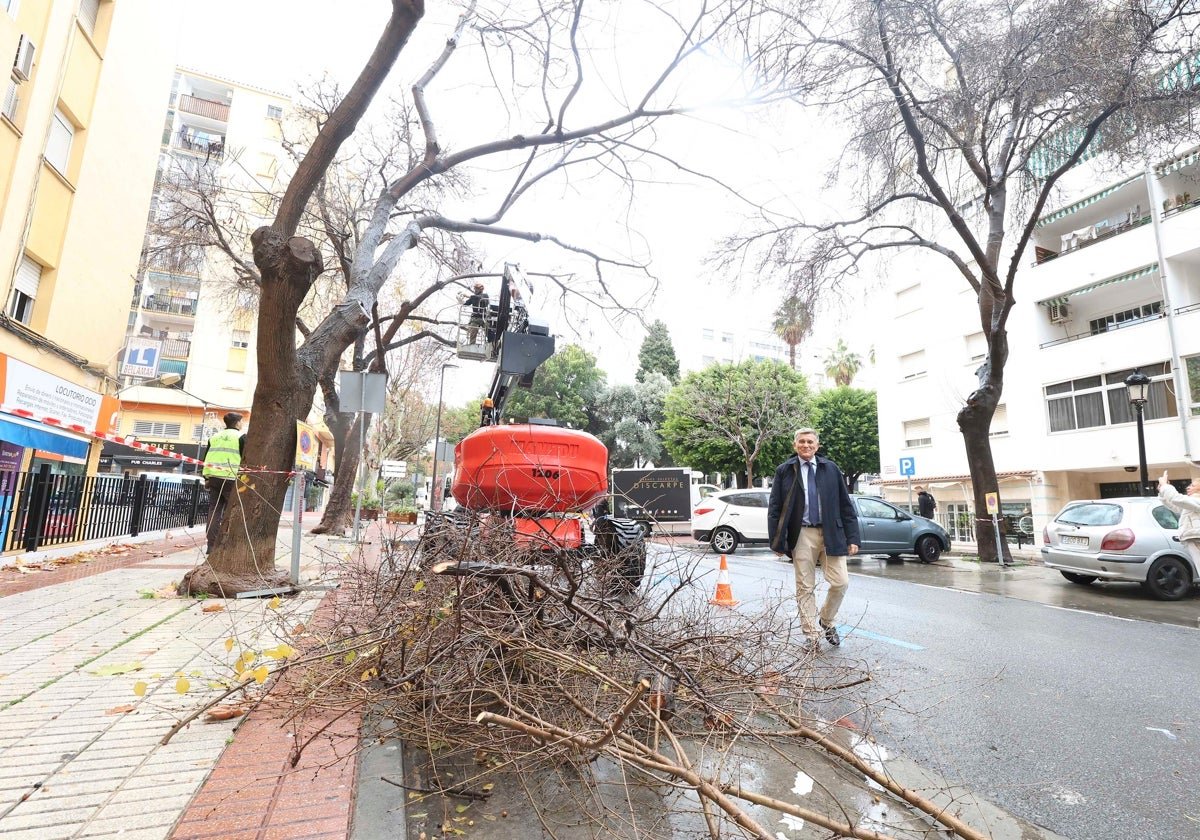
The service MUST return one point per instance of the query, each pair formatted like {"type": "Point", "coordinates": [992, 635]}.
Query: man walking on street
{"type": "Point", "coordinates": [221, 463]}
{"type": "Point", "coordinates": [926, 504]}
{"type": "Point", "coordinates": [811, 519]}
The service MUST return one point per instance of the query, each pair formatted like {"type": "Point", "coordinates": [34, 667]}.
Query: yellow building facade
{"type": "Point", "coordinates": [80, 130]}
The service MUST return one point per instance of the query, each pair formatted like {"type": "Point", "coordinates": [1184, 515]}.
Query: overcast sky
{"type": "Point", "coordinates": [675, 222]}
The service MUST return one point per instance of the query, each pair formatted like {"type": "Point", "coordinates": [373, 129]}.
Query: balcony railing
{"type": "Point", "coordinates": [176, 348]}
{"type": "Point", "coordinates": [212, 148]}
{"type": "Point", "coordinates": [1089, 236]}
{"type": "Point", "coordinates": [176, 306]}
{"type": "Point", "coordinates": [204, 108]}
{"type": "Point", "coordinates": [1108, 328]}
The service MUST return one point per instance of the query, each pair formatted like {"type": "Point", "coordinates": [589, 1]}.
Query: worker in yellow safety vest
{"type": "Point", "coordinates": [221, 462]}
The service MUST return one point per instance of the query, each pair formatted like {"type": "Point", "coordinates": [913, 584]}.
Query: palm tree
{"type": "Point", "coordinates": [793, 323]}
{"type": "Point", "coordinates": [841, 364]}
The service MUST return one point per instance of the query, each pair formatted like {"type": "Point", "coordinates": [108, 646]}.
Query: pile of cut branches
{"type": "Point", "coordinates": [475, 642]}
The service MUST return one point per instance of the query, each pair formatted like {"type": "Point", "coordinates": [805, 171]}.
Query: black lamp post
{"type": "Point", "coordinates": [1138, 386]}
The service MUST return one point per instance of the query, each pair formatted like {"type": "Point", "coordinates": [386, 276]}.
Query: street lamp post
{"type": "Point", "coordinates": [1138, 386]}
{"type": "Point", "coordinates": [435, 492]}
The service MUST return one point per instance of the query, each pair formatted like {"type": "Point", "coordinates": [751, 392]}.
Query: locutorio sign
{"type": "Point", "coordinates": [46, 395]}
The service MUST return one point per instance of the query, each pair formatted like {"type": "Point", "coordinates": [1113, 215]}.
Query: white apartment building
{"type": "Point", "coordinates": [203, 332]}
{"type": "Point", "coordinates": [1111, 284]}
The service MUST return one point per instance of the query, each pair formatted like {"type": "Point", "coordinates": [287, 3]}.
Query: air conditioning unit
{"type": "Point", "coordinates": [23, 63]}
{"type": "Point", "coordinates": [1058, 312]}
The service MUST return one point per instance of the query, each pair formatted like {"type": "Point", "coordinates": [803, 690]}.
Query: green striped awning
{"type": "Point", "coordinates": [1108, 281]}
{"type": "Point", "coordinates": [1091, 199]}
{"type": "Point", "coordinates": [1178, 162]}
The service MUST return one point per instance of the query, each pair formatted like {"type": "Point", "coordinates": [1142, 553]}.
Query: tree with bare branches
{"type": "Point", "coordinates": [961, 118]}
{"type": "Point", "coordinates": [578, 124]}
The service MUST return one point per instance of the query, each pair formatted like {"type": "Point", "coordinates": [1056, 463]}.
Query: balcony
{"type": "Point", "coordinates": [170, 305]}
{"type": "Point", "coordinates": [210, 146]}
{"type": "Point", "coordinates": [204, 108]}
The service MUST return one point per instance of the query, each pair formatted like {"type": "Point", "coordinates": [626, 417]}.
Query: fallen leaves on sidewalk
{"type": "Point", "coordinates": [225, 712]}
{"type": "Point", "coordinates": [213, 608]}
{"type": "Point", "coordinates": [119, 710]}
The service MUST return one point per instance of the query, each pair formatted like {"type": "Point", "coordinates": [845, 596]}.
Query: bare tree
{"type": "Point", "coordinates": [962, 117]}
{"type": "Point", "coordinates": [575, 128]}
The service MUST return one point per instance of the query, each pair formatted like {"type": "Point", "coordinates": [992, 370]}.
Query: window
{"type": "Point", "coordinates": [241, 338]}
{"type": "Point", "coordinates": [198, 433]}
{"type": "Point", "coordinates": [58, 145]}
{"type": "Point", "coordinates": [708, 360]}
{"type": "Point", "coordinates": [999, 426]}
{"type": "Point", "coordinates": [727, 338]}
{"type": "Point", "coordinates": [155, 429]}
{"type": "Point", "coordinates": [976, 346]}
{"type": "Point", "coordinates": [916, 433]}
{"type": "Point", "coordinates": [1126, 318]}
{"type": "Point", "coordinates": [912, 365]}
{"type": "Point", "coordinates": [11, 6]}
{"type": "Point", "coordinates": [1102, 400]}
{"type": "Point", "coordinates": [708, 334]}
{"type": "Point", "coordinates": [11, 100]}
{"type": "Point", "coordinates": [274, 112]}
{"type": "Point", "coordinates": [1192, 365]}
{"type": "Point", "coordinates": [25, 291]}
{"type": "Point", "coordinates": [875, 510]}
{"type": "Point", "coordinates": [908, 299]}
{"type": "Point", "coordinates": [89, 10]}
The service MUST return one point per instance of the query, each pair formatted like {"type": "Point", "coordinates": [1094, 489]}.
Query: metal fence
{"type": "Point", "coordinates": [38, 509]}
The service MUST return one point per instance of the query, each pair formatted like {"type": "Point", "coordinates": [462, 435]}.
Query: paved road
{"type": "Point", "coordinates": [1086, 724]}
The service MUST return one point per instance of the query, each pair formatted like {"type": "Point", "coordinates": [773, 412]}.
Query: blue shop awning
{"type": "Point", "coordinates": [39, 437]}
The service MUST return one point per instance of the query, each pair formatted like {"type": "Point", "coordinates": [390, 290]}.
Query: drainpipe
{"type": "Point", "coordinates": [1182, 406]}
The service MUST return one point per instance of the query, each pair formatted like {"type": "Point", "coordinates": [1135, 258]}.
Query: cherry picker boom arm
{"type": "Point", "coordinates": [522, 344]}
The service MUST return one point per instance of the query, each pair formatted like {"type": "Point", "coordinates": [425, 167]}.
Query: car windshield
{"type": "Point", "coordinates": [1091, 514]}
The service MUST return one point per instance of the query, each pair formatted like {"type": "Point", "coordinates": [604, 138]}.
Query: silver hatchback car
{"type": "Point", "coordinates": [1133, 539]}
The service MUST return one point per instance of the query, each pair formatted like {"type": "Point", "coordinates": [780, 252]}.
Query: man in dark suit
{"type": "Point", "coordinates": [812, 520]}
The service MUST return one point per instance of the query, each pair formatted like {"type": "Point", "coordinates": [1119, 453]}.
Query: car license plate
{"type": "Point", "coordinates": [1082, 542]}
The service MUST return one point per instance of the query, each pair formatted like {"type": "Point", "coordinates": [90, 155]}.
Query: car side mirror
{"type": "Point", "coordinates": [903, 517]}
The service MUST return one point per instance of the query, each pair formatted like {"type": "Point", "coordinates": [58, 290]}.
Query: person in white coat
{"type": "Point", "coordinates": [1188, 508]}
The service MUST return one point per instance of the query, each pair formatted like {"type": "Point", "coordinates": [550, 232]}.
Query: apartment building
{"type": "Point", "coordinates": [193, 331]}
{"type": "Point", "coordinates": [1111, 285]}
{"type": "Point", "coordinates": [79, 130]}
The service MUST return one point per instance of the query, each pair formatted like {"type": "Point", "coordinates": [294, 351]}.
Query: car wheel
{"type": "Point", "coordinates": [724, 541]}
{"type": "Point", "coordinates": [929, 549]}
{"type": "Point", "coordinates": [1169, 579]}
{"type": "Point", "coordinates": [1082, 580]}
{"type": "Point", "coordinates": [646, 529]}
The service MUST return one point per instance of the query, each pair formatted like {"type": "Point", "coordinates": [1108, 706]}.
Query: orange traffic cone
{"type": "Point", "coordinates": [724, 595]}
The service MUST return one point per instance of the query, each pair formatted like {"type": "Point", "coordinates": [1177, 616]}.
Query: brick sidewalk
{"type": "Point", "coordinates": [80, 750]}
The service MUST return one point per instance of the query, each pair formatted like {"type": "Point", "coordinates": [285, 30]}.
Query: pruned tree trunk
{"type": "Point", "coordinates": [244, 556]}
{"type": "Point", "coordinates": [975, 423]}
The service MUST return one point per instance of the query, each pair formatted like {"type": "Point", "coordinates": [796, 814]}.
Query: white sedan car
{"type": "Point", "coordinates": [731, 518]}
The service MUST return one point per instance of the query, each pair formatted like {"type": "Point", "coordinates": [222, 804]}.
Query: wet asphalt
{"type": "Point", "coordinates": [1073, 707]}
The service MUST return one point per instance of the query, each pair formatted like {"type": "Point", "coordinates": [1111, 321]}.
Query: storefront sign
{"type": "Point", "coordinates": [46, 395]}
{"type": "Point", "coordinates": [141, 357]}
{"type": "Point", "coordinates": [11, 456]}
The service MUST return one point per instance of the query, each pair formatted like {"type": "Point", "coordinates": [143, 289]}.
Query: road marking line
{"type": "Point", "coordinates": [847, 630]}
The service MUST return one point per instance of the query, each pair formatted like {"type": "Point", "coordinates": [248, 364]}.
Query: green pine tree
{"type": "Point", "coordinates": [658, 354]}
